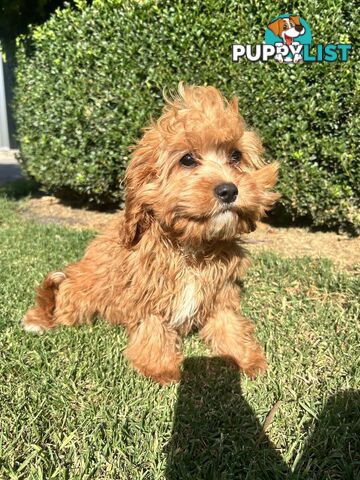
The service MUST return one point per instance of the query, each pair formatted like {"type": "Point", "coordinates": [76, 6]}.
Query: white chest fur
{"type": "Point", "coordinates": [186, 306]}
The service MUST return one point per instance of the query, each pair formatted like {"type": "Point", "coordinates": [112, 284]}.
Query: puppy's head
{"type": "Point", "coordinates": [198, 172]}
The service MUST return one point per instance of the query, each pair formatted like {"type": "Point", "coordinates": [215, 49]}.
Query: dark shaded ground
{"type": "Point", "coordinates": [216, 435]}
{"type": "Point", "coordinates": [9, 171]}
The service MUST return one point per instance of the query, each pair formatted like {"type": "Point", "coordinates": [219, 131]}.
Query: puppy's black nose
{"type": "Point", "coordinates": [298, 28]}
{"type": "Point", "coordinates": [226, 192]}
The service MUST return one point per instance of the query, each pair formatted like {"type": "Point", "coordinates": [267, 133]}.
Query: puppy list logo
{"type": "Point", "coordinates": [288, 40]}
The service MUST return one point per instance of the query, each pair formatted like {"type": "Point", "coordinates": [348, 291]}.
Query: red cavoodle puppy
{"type": "Point", "coordinates": [171, 260]}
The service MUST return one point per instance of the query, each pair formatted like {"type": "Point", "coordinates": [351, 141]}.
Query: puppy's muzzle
{"type": "Point", "coordinates": [226, 192]}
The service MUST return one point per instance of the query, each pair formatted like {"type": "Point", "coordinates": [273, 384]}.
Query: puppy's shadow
{"type": "Point", "coordinates": [332, 451]}
{"type": "Point", "coordinates": [216, 433]}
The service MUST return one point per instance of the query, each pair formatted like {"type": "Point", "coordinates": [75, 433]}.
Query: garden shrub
{"type": "Point", "coordinates": [90, 78]}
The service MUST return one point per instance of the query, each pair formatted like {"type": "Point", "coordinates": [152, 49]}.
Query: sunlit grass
{"type": "Point", "coordinates": [71, 408]}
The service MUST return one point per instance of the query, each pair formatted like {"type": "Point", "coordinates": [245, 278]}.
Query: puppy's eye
{"type": "Point", "coordinates": [188, 161]}
{"type": "Point", "coordinates": [235, 157]}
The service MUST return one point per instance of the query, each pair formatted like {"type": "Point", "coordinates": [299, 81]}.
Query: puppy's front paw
{"type": "Point", "coordinates": [256, 365]}
{"type": "Point", "coordinates": [166, 377]}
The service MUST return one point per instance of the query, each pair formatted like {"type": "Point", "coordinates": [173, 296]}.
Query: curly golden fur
{"type": "Point", "coordinates": [171, 261]}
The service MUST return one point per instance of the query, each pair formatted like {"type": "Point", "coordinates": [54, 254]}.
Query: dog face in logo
{"type": "Point", "coordinates": [287, 28]}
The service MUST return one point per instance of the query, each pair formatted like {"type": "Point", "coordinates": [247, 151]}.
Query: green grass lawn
{"type": "Point", "coordinates": [71, 408]}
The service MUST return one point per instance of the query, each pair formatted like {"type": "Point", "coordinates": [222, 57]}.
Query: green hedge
{"type": "Point", "coordinates": [89, 79]}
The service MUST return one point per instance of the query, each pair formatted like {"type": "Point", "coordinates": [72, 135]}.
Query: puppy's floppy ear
{"type": "Point", "coordinates": [234, 104]}
{"type": "Point", "coordinates": [296, 19]}
{"type": "Point", "coordinates": [275, 27]}
{"type": "Point", "coordinates": [140, 172]}
{"type": "Point", "coordinates": [266, 178]}
{"type": "Point", "coordinates": [252, 148]}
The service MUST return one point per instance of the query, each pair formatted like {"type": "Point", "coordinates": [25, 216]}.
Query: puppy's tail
{"type": "Point", "coordinates": [41, 316]}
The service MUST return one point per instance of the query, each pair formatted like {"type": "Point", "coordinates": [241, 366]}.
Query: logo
{"type": "Point", "coordinates": [288, 34]}
{"type": "Point", "coordinates": [288, 39]}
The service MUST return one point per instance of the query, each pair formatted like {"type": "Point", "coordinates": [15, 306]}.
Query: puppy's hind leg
{"type": "Point", "coordinates": [75, 305]}
{"type": "Point", "coordinates": [41, 316]}
{"type": "Point", "coordinates": [153, 350]}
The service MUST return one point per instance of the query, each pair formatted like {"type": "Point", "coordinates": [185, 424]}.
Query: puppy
{"type": "Point", "coordinates": [171, 261]}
